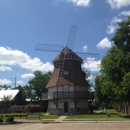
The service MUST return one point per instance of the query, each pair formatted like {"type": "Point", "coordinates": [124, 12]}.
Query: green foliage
{"type": "Point", "coordinates": [32, 108]}
{"type": "Point", "coordinates": [1, 120]}
{"type": "Point", "coordinates": [9, 119]}
{"type": "Point", "coordinates": [122, 36]}
{"type": "Point", "coordinates": [17, 115]}
{"type": "Point", "coordinates": [114, 115]}
{"type": "Point", "coordinates": [114, 82]}
{"type": "Point", "coordinates": [126, 85]}
{"type": "Point", "coordinates": [87, 74]}
{"type": "Point", "coordinates": [37, 85]}
{"type": "Point", "coordinates": [5, 102]}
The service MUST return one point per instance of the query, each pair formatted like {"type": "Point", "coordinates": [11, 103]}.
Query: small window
{"type": "Point", "coordinates": [66, 73]}
{"type": "Point", "coordinates": [65, 88]}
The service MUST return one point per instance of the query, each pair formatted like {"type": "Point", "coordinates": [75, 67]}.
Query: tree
{"type": "Point", "coordinates": [115, 67]}
{"type": "Point", "coordinates": [122, 36]}
{"type": "Point", "coordinates": [87, 75]}
{"type": "Point", "coordinates": [5, 102]}
{"type": "Point", "coordinates": [28, 91]}
{"type": "Point", "coordinates": [38, 84]}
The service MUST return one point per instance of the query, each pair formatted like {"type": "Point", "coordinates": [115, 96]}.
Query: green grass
{"type": "Point", "coordinates": [50, 117]}
{"type": "Point", "coordinates": [99, 115]}
{"type": "Point", "coordinates": [23, 116]}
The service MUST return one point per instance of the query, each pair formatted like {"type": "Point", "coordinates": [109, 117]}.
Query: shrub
{"type": "Point", "coordinates": [18, 106]}
{"type": "Point", "coordinates": [17, 115]}
{"type": "Point", "coordinates": [34, 108]}
{"type": "Point", "coordinates": [1, 120]}
{"type": "Point", "coordinates": [9, 119]}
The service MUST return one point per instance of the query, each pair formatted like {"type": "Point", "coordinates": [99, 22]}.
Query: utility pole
{"type": "Point", "coordinates": [15, 80]}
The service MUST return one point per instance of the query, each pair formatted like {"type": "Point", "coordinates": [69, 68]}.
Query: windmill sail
{"type": "Point", "coordinates": [72, 37]}
{"type": "Point", "coordinates": [49, 47]}
{"type": "Point", "coordinates": [66, 52]}
{"type": "Point", "coordinates": [88, 56]}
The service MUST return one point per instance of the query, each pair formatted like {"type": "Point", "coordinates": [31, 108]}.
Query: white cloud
{"type": "Point", "coordinates": [92, 65]}
{"type": "Point", "coordinates": [117, 4]}
{"type": "Point", "coordinates": [84, 3]}
{"type": "Point", "coordinates": [5, 82]}
{"type": "Point", "coordinates": [91, 77]}
{"type": "Point", "coordinates": [105, 43]}
{"type": "Point", "coordinates": [29, 75]}
{"type": "Point", "coordinates": [85, 48]}
{"type": "Point", "coordinates": [125, 13]}
{"type": "Point", "coordinates": [111, 28]}
{"type": "Point", "coordinates": [4, 68]}
{"type": "Point", "coordinates": [19, 82]}
{"type": "Point", "coordinates": [115, 20]}
{"type": "Point", "coordinates": [16, 57]}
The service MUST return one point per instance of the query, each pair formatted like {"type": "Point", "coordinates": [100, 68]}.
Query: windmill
{"type": "Point", "coordinates": [66, 51]}
{"type": "Point", "coordinates": [67, 87]}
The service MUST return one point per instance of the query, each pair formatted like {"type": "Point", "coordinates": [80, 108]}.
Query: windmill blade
{"type": "Point", "coordinates": [71, 37]}
{"type": "Point", "coordinates": [88, 56]}
{"type": "Point", "coordinates": [49, 47]}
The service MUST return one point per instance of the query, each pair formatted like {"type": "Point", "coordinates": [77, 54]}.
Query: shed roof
{"type": "Point", "coordinates": [6, 93]}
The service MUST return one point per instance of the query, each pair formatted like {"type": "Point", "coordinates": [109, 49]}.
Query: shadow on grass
{"type": "Point", "coordinates": [126, 116]}
{"type": "Point", "coordinates": [102, 113]}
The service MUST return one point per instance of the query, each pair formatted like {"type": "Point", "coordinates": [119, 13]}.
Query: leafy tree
{"type": "Point", "coordinates": [102, 96]}
{"type": "Point", "coordinates": [115, 68]}
{"type": "Point", "coordinates": [5, 102]}
{"type": "Point", "coordinates": [28, 91]}
{"type": "Point", "coordinates": [122, 36]}
{"type": "Point", "coordinates": [126, 85]}
{"type": "Point", "coordinates": [38, 84]}
{"type": "Point", "coordinates": [87, 75]}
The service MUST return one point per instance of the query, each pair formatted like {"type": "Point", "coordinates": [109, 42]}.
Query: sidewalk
{"type": "Point", "coordinates": [60, 119]}
{"type": "Point", "coordinates": [27, 121]}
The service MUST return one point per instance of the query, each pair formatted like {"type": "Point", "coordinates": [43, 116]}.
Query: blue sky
{"type": "Point", "coordinates": [24, 23]}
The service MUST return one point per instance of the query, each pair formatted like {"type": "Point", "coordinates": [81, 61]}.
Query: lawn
{"type": "Point", "coordinates": [23, 116]}
{"type": "Point", "coordinates": [99, 116]}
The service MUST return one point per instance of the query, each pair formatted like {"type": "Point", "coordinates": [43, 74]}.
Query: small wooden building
{"type": "Point", "coordinates": [68, 94]}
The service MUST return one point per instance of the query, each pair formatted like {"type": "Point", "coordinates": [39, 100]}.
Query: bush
{"type": "Point", "coordinates": [34, 108]}
{"type": "Point", "coordinates": [18, 108]}
{"type": "Point", "coordinates": [1, 120]}
{"type": "Point", "coordinates": [9, 119]}
{"type": "Point", "coordinates": [17, 115]}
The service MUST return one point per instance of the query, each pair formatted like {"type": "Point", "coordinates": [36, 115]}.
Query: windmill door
{"type": "Point", "coordinates": [66, 108]}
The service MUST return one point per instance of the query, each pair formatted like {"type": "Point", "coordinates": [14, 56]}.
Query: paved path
{"type": "Point", "coordinates": [66, 126]}
{"type": "Point", "coordinates": [60, 119]}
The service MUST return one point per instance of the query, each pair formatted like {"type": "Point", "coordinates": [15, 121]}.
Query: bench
{"type": "Point", "coordinates": [33, 115]}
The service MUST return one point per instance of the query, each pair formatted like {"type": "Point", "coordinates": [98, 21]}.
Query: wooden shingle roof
{"type": "Point", "coordinates": [73, 65]}
{"type": "Point", "coordinates": [70, 55]}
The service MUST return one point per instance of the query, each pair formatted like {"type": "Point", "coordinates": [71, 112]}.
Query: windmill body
{"type": "Point", "coordinates": [67, 89]}
{"type": "Point", "coordinates": [69, 92]}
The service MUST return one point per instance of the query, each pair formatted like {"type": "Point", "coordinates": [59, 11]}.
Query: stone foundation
{"type": "Point", "coordinates": [55, 111]}
{"type": "Point", "coordinates": [72, 111]}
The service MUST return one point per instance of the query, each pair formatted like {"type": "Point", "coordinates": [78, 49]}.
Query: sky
{"type": "Point", "coordinates": [25, 23]}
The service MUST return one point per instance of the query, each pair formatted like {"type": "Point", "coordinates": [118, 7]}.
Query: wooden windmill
{"type": "Point", "coordinates": [67, 85]}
